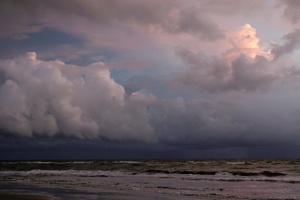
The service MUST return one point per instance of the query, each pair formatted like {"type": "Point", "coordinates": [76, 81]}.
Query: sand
{"type": "Point", "coordinates": [12, 195]}
{"type": "Point", "coordinates": [8, 195]}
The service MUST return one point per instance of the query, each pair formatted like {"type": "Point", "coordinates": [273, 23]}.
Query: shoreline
{"type": "Point", "coordinates": [10, 191]}
{"type": "Point", "coordinates": [148, 180]}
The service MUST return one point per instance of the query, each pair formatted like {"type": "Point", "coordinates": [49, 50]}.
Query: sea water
{"type": "Point", "coordinates": [157, 179]}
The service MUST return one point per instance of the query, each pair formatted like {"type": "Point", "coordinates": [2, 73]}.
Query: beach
{"type": "Point", "coordinates": [148, 180]}
{"type": "Point", "coordinates": [12, 195]}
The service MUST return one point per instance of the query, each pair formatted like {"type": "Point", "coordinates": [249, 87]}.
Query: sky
{"type": "Point", "coordinates": [134, 79]}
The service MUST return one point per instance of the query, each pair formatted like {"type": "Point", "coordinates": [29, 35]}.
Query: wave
{"type": "Point", "coordinates": [236, 173]}
{"type": "Point", "coordinates": [48, 162]}
{"type": "Point", "coordinates": [80, 173]}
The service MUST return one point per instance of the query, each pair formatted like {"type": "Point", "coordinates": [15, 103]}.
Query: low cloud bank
{"type": "Point", "coordinates": [47, 99]}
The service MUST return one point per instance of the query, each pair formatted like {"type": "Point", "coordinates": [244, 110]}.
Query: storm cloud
{"type": "Point", "coordinates": [243, 67]}
{"type": "Point", "coordinates": [292, 42]}
{"type": "Point", "coordinates": [149, 76]}
{"type": "Point", "coordinates": [53, 99]}
{"type": "Point", "coordinates": [291, 10]}
{"type": "Point", "coordinates": [169, 16]}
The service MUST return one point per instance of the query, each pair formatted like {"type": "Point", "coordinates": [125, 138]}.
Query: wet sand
{"type": "Point", "coordinates": [9, 195]}
{"type": "Point", "coordinates": [55, 192]}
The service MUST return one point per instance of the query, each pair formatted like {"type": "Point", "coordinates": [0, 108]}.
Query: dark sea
{"type": "Point", "coordinates": [154, 179]}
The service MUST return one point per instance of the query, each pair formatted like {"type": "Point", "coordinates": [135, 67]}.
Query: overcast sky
{"type": "Point", "coordinates": [149, 79]}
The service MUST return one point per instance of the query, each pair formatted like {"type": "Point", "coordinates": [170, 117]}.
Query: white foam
{"type": "Point", "coordinates": [235, 163]}
{"type": "Point", "coordinates": [224, 174]}
{"type": "Point", "coordinates": [85, 173]}
{"type": "Point", "coordinates": [128, 162]}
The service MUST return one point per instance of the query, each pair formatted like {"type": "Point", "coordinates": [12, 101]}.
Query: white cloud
{"type": "Point", "coordinates": [52, 98]}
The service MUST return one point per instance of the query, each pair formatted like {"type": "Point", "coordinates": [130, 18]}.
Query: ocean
{"type": "Point", "coordinates": [154, 179]}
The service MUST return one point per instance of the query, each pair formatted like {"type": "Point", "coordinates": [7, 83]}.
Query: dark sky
{"type": "Point", "coordinates": [130, 79]}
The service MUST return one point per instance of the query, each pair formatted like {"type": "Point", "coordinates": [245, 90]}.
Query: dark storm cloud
{"type": "Point", "coordinates": [16, 19]}
{"type": "Point", "coordinates": [200, 122]}
{"type": "Point", "coordinates": [12, 148]}
{"type": "Point", "coordinates": [241, 74]}
{"type": "Point", "coordinates": [234, 7]}
{"type": "Point", "coordinates": [190, 21]}
{"type": "Point", "coordinates": [292, 42]}
{"type": "Point", "coordinates": [291, 11]}
{"type": "Point", "coordinates": [170, 16]}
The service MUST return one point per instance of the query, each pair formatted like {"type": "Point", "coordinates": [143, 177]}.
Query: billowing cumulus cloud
{"type": "Point", "coordinates": [52, 98]}
{"type": "Point", "coordinates": [244, 40]}
{"type": "Point", "coordinates": [175, 73]}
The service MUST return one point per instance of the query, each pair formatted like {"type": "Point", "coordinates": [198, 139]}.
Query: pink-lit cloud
{"type": "Point", "coordinates": [244, 66]}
